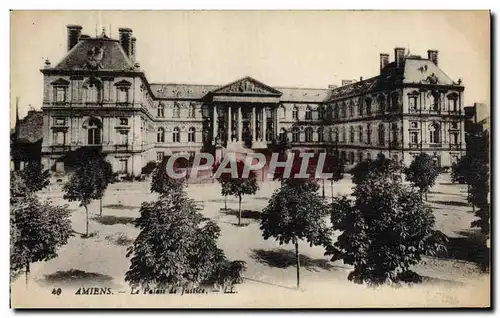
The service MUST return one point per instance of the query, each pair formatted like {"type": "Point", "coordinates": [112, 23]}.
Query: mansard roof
{"type": "Point", "coordinates": [99, 53]}
{"type": "Point", "coordinates": [414, 70]}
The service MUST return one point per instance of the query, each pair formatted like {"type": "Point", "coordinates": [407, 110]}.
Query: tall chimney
{"type": "Point", "coordinates": [399, 56]}
{"type": "Point", "coordinates": [384, 60]}
{"type": "Point", "coordinates": [74, 32]}
{"type": "Point", "coordinates": [433, 56]}
{"type": "Point", "coordinates": [132, 49]}
{"type": "Point", "coordinates": [126, 40]}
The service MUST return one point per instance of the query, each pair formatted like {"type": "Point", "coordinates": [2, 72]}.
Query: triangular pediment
{"type": "Point", "coordinates": [247, 86]}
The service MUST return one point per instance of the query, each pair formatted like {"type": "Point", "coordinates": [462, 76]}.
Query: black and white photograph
{"type": "Point", "coordinates": [250, 159]}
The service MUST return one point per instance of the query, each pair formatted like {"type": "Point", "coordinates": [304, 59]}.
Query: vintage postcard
{"type": "Point", "coordinates": [250, 159]}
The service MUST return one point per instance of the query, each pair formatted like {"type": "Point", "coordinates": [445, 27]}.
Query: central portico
{"type": "Point", "coordinates": [245, 114]}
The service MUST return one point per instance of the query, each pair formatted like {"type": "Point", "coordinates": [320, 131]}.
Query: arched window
{"type": "Point", "coordinates": [320, 134]}
{"type": "Point", "coordinates": [308, 113]}
{"type": "Point", "coordinates": [395, 101]}
{"type": "Point", "coordinates": [161, 110]}
{"type": "Point", "coordinates": [191, 112]}
{"type": "Point", "coordinates": [435, 101]}
{"type": "Point", "coordinates": [309, 134]}
{"type": "Point", "coordinates": [336, 135]}
{"type": "Point", "coordinates": [176, 111]}
{"type": "Point", "coordinates": [160, 135]}
{"type": "Point", "coordinates": [351, 134]}
{"type": "Point", "coordinates": [360, 108]}
{"type": "Point", "coordinates": [394, 130]}
{"type": "Point", "coordinates": [295, 113]}
{"type": "Point", "coordinates": [321, 112]}
{"type": "Point", "coordinates": [93, 91]}
{"type": "Point", "coordinates": [381, 103]}
{"type": "Point", "coordinates": [295, 134]}
{"type": "Point", "coordinates": [343, 110]}
{"type": "Point", "coordinates": [381, 134]}
{"type": "Point", "coordinates": [191, 134]}
{"type": "Point", "coordinates": [344, 139]}
{"type": "Point", "coordinates": [94, 132]}
{"type": "Point", "coordinates": [435, 133]}
{"type": "Point", "coordinates": [282, 112]}
{"type": "Point", "coordinates": [351, 109]}
{"type": "Point", "coordinates": [176, 135]}
{"type": "Point", "coordinates": [368, 103]}
{"type": "Point", "coordinates": [336, 111]}
{"type": "Point", "coordinates": [368, 134]}
{"type": "Point", "coordinates": [453, 102]}
{"type": "Point", "coordinates": [360, 133]}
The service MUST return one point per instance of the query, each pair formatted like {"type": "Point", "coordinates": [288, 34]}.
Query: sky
{"type": "Point", "coordinates": [279, 48]}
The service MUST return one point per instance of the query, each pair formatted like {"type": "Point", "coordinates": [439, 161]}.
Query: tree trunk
{"type": "Point", "coordinates": [100, 207]}
{"type": "Point", "coordinates": [27, 273]}
{"type": "Point", "coordinates": [86, 221]}
{"type": "Point", "coordinates": [239, 211]}
{"type": "Point", "coordinates": [323, 194]}
{"type": "Point", "coordinates": [297, 257]}
{"type": "Point", "coordinates": [225, 202]}
{"type": "Point", "coordinates": [331, 183]}
{"type": "Point", "coordinates": [473, 208]}
{"type": "Point", "coordinates": [425, 195]}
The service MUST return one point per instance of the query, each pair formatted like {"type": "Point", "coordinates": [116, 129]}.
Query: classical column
{"type": "Point", "coordinates": [229, 125]}
{"type": "Point", "coordinates": [240, 125]}
{"type": "Point", "coordinates": [264, 124]}
{"type": "Point", "coordinates": [277, 130]}
{"type": "Point", "coordinates": [215, 125]}
{"type": "Point", "coordinates": [254, 125]}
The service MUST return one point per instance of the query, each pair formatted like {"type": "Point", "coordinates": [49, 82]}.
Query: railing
{"type": "Point", "coordinates": [456, 146]}
{"type": "Point", "coordinates": [439, 145]}
{"type": "Point", "coordinates": [60, 147]}
{"type": "Point", "coordinates": [414, 145]}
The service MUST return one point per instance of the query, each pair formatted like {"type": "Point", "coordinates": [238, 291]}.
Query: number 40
{"type": "Point", "coordinates": [56, 291]}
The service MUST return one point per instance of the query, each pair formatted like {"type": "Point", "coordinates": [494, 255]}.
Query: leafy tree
{"type": "Point", "coordinates": [149, 168]}
{"type": "Point", "coordinates": [385, 230]}
{"type": "Point", "coordinates": [372, 168]}
{"type": "Point", "coordinates": [84, 186]}
{"type": "Point", "coordinates": [422, 173]}
{"type": "Point", "coordinates": [163, 183]}
{"type": "Point", "coordinates": [242, 186]}
{"type": "Point", "coordinates": [223, 180]}
{"type": "Point", "coordinates": [35, 178]}
{"type": "Point", "coordinates": [103, 178]}
{"type": "Point", "coordinates": [37, 231]}
{"type": "Point", "coordinates": [296, 212]}
{"type": "Point", "coordinates": [176, 247]}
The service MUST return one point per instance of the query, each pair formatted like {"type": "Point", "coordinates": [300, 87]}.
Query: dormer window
{"type": "Point", "coordinates": [122, 95]}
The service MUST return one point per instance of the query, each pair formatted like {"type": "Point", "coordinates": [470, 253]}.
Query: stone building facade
{"type": "Point", "coordinates": [98, 96]}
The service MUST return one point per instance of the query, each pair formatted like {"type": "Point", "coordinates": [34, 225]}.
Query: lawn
{"type": "Point", "coordinates": [100, 260]}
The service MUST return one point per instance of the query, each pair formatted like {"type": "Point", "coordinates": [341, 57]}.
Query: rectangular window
{"type": "Point", "coordinates": [124, 166]}
{"type": "Point", "coordinates": [414, 137]}
{"type": "Point", "coordinates": [124, 138]}
{"type": "Point", "coordinates": [124, 121]}
{"type": "Point", "coordinates": [159, 156]}
{"type": "Point", "coordinates": [60, 121]}
{"type": "Point", "coordinates": [60, 93]}
{"type": "Point", "coordinates": [122, 95]}
{"type": "Point", "coordinates": [454, 138]}
{"type": "Point", "coordinates": [413, 103]}
{"type": "Point", "coordinates": [59, 138]}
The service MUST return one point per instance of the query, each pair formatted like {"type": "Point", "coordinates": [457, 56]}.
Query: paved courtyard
{"type": "Point", "coordinates": [101, 260]}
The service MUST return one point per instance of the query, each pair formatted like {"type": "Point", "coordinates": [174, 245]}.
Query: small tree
{"type": "Point", "coordinates": [175, 247]}
{"type": "Point", "coordinates": [84, 186]}
{"type": "Point", "coordinates": [372, 168]}
{"type": "Point", "coordinates": [163, 183]}
{"type": "Point", "coordinates": [422, 173]}
{"type": "Point", "coordinates": [242, 186]}
{"type": "Point", "coordinates": [296, 212]}
{"type": "Point", "coordinates": [149, 168]}
{"type": "Point", "coordinates": [103, 179]}
{"type": "Point", "coordinates": [385, 230]}
{"type": "Point", "coordinates": [334, 165]}
{"type": "Point", "coordinates": [35, 178]}
{"type": "Point", "coordinates": [37, 231]}
{"type": "Point", "coordinates": [223, 180]}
